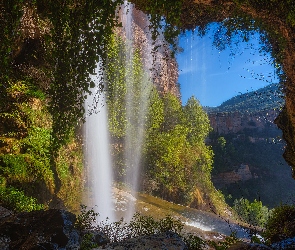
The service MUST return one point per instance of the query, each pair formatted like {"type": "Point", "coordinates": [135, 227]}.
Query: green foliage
{"type": "Point", "coordinates": [147, 225]}
{"type": "Point", "coordinates": [194, 242]}
{"type": "Point", "coordinates": [221, 142]}
{"type": "Point", "coordinates": [116, 85]}
{"type": "Point", "coordinates": [86, 218]}
{"type": "Point", "coordinates": [173, 114]}
{"type": "Point", "coordinates": [15, 199]}
{"type": "Point", "coordinates": [69, 167]}
{"type": "Point", "coordinates": [222, 245]}
{"type": "Point", "coordinates": [177, 158]}
{"type": "Point", "coordinates": [138, 226]}
{"type": "Point", "coordinates": [155, 112]}
{"type": "Point", "coordinates": [79, 36]}
{"type": "Point", "coordinates": [26, 160]}
{"type": "Point", "coordinates": [197, 121]}
{"type": "Point", "coordinates": [33, 163]}
{"type": "Point", "coordinates": [281, 224]}
{"type": "Point", "coordinates": [253, 213]}
{"type": "Point", "coordinates": [87, 242]}
{"type": "Point", "coordinates": [266, 98]}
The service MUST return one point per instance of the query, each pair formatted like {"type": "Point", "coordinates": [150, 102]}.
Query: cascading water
{"type": "Point", "coordinates": [97, 151]}
{"type": "Point", "coordinates": [136, 107]}
{"type": "Point", "coordinates": [97, 147]}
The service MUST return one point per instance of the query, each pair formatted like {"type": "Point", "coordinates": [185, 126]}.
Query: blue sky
{"type": "Point", "coordinates": [214, 76]}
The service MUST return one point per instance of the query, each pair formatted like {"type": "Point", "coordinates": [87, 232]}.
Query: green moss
{"type": "Point", "coordinates": [69, 165]}
{"type": "Point", "coordinates": [15, 199]}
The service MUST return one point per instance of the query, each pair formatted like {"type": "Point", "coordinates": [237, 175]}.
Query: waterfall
{"type": "Point", "coordinates": [97, 145]}
{"type": "Point", "coordinates": [97, 151]}
{"type": "Point", "coordinates": [138, 88]}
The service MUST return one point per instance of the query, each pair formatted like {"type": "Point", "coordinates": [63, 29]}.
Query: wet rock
{"type": "Point", "coordinates": [284, 244]}
{"type": "Point", "coordinates": [167, 241]}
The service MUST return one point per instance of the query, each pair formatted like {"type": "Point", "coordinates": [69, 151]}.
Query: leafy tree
{"type": "Point", "coordinates": [197, 121]}
{"type": "Point", "coordinates": [281, 224]}
{"type": "Point", "coordinates": [177, 157]}
{"type": "Point", "coordinates": [253, 213]}
{"type": "Point", "coordinates": [173, 114]}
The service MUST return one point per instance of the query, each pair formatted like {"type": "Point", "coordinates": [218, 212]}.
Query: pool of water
{"type": "Point", "coordinates": [205, 224]}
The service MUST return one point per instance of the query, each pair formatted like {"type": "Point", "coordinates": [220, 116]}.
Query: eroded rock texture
{"type": "Point", "coordinates": [234, 122]}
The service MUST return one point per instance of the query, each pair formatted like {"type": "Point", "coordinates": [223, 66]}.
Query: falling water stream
{"type": "Point", "coordinates": [97, 151]}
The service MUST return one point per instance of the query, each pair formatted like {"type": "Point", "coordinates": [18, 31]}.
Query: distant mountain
{"type": "Point", "coordinates": [267, 98]}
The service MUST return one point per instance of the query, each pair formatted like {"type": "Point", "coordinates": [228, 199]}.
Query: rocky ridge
{"type": "Point", "coordinates": [234, 122]}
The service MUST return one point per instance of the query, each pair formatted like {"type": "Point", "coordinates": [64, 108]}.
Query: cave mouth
{"type": "Point", "coordinates": [246, 80]}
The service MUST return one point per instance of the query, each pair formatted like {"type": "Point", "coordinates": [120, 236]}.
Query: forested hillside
{"type": "Point", "coordinates": [248, 148]}
{"type": "Point", "coordinates": [266, 98]}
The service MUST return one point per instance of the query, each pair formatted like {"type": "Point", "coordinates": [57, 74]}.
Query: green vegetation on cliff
{"type": "Point", "coordinates": [266, 98]}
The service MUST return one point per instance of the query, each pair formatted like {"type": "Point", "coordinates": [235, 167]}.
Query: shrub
{"type": "Point", "coordinates": [281, 224]}
{"type": "Point", "coordinates": [253, 213]}
{"type": "Point", "coordinates": [16, 200]}
{"type": "Point", "coordinates": [144, 225]}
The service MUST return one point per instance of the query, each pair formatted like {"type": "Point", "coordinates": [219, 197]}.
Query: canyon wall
{"type": "Point", "coordinates": [234, 122]}
{"type": "Point", "coordinates": [162, 66]}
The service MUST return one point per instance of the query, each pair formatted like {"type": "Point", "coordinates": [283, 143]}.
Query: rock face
{"type": "Point", "coordinates": [163, 68]}
{"type": "Point", "coordinates": [234, 122]}
{"type": "Point", "coordinates": [243, 173]}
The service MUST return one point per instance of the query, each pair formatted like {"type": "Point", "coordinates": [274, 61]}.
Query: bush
{"type": "Point", "coordinates": [253, 213]}
{"type": "Point", "coordinates": [144, 225]}
{"type": "Point", "coordinates": [281, 224]}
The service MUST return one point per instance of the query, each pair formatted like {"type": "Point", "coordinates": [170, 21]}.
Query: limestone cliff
{"type": "Point", "coordinates": [162, 66]}
{"type": "Point", "coordinates": [234, 122]}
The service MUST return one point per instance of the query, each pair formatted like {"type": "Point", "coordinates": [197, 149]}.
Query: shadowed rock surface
{"type": "Point", "coordinates": [51, 229]}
